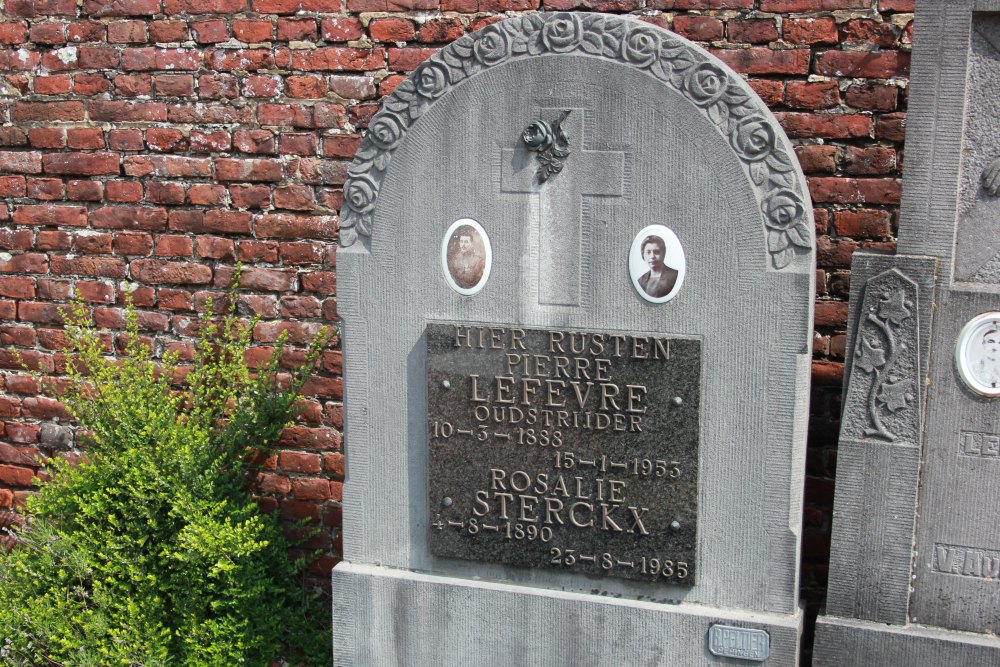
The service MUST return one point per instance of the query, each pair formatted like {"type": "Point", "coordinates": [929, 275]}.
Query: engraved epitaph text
{"type": "Point", "coordinates": [564, 449]}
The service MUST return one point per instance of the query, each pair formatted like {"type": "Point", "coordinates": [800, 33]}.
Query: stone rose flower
{"type": "Point", "coordinates": [538, 136]}
{"type": "Point", "coordinates": [492, 47]}
{"type": "Point", "coordinates": [359, 193]}
{"type": "Point", "coordinates": [386, 131]}
{"type": "Point", "coordinates": [432, 80]}
{"type": "Point", "coordinates": [641, 46]}
{"type": "Point", "coordinates": [562, 33]}
{"type": "Point", "coordinates": [705, 84]}
{"type": "Point", "coordinates": [782, 210]}
{"type": "Point", "coordinates": [753, 139]}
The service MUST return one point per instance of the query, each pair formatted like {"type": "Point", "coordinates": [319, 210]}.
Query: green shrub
{"type": "Point", "coordinates": [152, 551]}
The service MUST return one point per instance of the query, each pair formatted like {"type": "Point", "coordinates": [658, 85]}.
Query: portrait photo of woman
{"type": "Point", "coordinates": [656, 263]}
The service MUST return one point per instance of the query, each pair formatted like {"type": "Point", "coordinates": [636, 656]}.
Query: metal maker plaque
{"type": "Point", "coordinates": [572, 450]}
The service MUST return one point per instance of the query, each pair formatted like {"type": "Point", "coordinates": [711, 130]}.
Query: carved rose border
{"type": "Point", "coordinates": [719, 95]}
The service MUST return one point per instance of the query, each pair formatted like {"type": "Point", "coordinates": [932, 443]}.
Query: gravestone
{"type": "Point", "coordinates": [915, 556]}
{"type": "Point", "coordinates": [576, 277]}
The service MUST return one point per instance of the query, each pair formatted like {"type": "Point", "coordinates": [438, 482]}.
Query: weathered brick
{"type": "Point", "coordinates": [698, 28]}
{"type": "Point", "coordinates": [300, 462]}
{"type": "Point", "coordinates": [890, 126]}
{"type": "Point", "coordinates": [44, 188]}
{"type": "Point", "coordinates": [389, 29]}
{"type": "Point", "coordinates": [172, 7]}
{"type": "Point", "coordinates": [341, 29]}
{"type": "Point", "coordinates": [316, 439]}
{"type": "Point", "coordinates": [872, 96]}
{"type": "Point", "coordinates": [132, 243]}
{"type": "Point", "coordinates": [106, 267]}
{"type": "Point", "coordinates": [116, 111]}
{"type": "Point", "coordinates": [215, 247]}
{"type": "Point", "coordinates": [126, 192]}
{"type": "Point", "coordinates": [164, 192]}
{"type": "Point", "coordinates": [97, 57]}
{"type": "Point", "coordinates": [352, 87]}
{"type": "Point", "coordinates": [250, 196]}
{"type": "Point", "coordinates": [320, 282]}
{"type": "Point", "coordinates": [855, 190]}
{"type": "Point", "coordinates": [289, 226]}
{"type": "Point", "coordinates": [92, 243]}
{"type": "Point", "coordinates": [84, 190]}
{"type": "Point", "coordinates": [870, 161]}
{"type": "Point", "coordinates": [870, 32]}
{"type": "Point", "coordinates": [266, 280]}
{"type": "Point", "coordinates": [406, 59]}
{"type": "Point", "coordinates": [228, 169]}
{"type": "Point", "coordinates": [39, 312]}
{"type": "Point", "coordinates": [59, 84]}
{"type": "Point", "coordinates": [47, 111]}
{"type": "Point", "coordinates": [753, 31]}
{"type": "Point", "coordinates": [827, 126]}
{"type": "Point", "coordinates": [802, 6]}
{"type": "Point", "coordinates": [169, 245]}
{"type": "Point", "coordinates": [301, 29]}
{"type": "Point", "coordinates": [244, 60]}
{"type": "Point", "coordinates": [25, 263]}
{"type": "Point", "coordinates": [253, 30]}
{"type": "Point", "coordinates": [157, 271]}
{"type": "Point", "coordinates": [102, 8]}
{"type": "Point", "coordinates": [335, 58]}
{"type": "Point", "coordinates": [129, 217]}
{"type": "Point", "coordinates": [70, 216]}
{"type": "Point", "coordinates": [299, 307]}
{"type": "Point", "coordinates": [304, 87]}
{"type": "Point", "coordinates": [166, 166]}
{"type": "Point", "coordinates": [812, 94]}
{"type": "Point", "coordinates": [297, 253]}
{"type": "Point", "coordinates": [858, 64]}
{"type": "Point", "coordinates": [16, 475]}
{"type": "Point", "coordinates": [205, 194]}
{"type": "Point", "coordinates": [762, 60]}
{"type": "Point", "coordinates": [21, 162]}
{"type": "Point", "coordinates": [817, 158]}
{"type": "Point", "coordinates": [440, 30]}
{"type": "Point", "coordinates": [862, 223]}
{"type": "Point", "coordinates": [14, 287]}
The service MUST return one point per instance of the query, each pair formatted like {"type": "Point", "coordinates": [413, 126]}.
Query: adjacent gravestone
{"type": "Point", "coordinates": [576, 283]}
{"type": "Point", "coordinates": [915, 558]}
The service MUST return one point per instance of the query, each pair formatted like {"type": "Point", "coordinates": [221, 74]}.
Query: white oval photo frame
{"type": "Point", "coordinates": [449, 251]}
{"type": "Point", "coordinates": [673, 258]}
{"type": "Point", "coordinates": [977, 354]}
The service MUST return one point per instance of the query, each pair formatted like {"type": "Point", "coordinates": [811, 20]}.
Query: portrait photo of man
{"type": "Point", "coordinates": [466, 256]}
{"type": "Point", "coordinates": [977, 354]}
{"type": "Point", "coordinates": [987, 370]}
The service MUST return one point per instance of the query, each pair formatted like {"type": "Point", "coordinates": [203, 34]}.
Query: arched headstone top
{"type": "Point", "coordinates": [704, 81]}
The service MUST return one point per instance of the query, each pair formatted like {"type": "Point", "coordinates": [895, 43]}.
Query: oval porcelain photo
{"type": "Point", "coordinates": [466, 256]}
{"type": "Point", "coordinates": [977, 354]}
{"type": "Point", "coordinates": [656, 264]}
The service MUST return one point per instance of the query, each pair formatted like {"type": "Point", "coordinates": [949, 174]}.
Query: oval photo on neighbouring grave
{"type": "Point", "coordinates": [656, 263]}
{"type": "Point", "coordinates": [466, 256]}
{"type": "Point", "coordinates": [977, 354]}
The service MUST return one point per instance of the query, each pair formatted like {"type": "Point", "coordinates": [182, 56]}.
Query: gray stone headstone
{"type": "Point", "coordinates": [915, 556]}
{"type": "Point", "coordinates": [576, 280]}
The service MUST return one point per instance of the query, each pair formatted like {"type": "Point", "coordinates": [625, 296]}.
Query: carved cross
{"type": "Point", "coordinates": [562, 256]}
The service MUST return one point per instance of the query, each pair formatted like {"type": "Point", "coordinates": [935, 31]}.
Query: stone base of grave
{"type": "Point", "coordinates": [848, 641]}
{"type": "Point", "coordinates": [384, 616]}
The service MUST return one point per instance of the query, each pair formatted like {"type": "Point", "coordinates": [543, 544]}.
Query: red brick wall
{"type": "Point", "coordinates": [152, 143]}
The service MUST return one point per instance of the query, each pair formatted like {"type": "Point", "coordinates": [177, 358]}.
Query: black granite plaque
{"type": "Point", "coordinates": [573, 450]}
